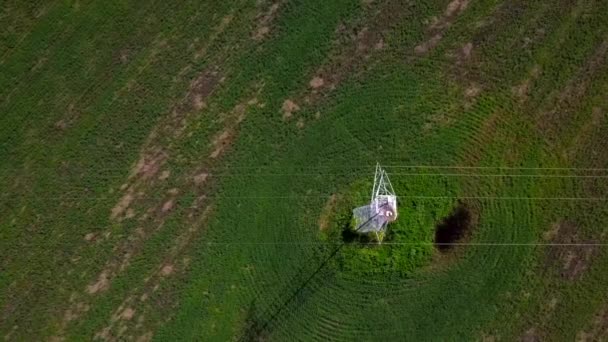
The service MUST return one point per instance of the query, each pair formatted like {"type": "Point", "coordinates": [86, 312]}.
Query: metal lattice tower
{"type": "Point", "coordinates": [382, 208]}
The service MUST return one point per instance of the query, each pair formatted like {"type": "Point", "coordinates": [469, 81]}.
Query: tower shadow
{"type": "Point", "coordinates": [258, 328]}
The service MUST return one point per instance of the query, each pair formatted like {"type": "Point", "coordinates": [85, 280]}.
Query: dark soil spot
{"type": "Point", "coordinates": [452, 228]}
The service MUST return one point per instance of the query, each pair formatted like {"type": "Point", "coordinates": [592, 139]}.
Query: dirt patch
{"type": "Point", "coordinates": [354, 44]}
{"type": "Point", "coordinates": [146, 176]}
{"type": "Point", "coordinates": [585, 137]}
{"type": "Point", "coordinates": [72, 315]}
{"type": "Point", "coordinates": [102, 283]}
{"type": "Point", "coordinates": [288, 108]}
{"type": "Point", "coordinates": [552, 304]}
{"type": "Point", "coordinates": [316, 82]}
{"type": "Point", "coordinates": [531, 335]}
{"type": "Point", "coordinates": [130, 213]}
{"type": "Point", "coordinates": [149, 163]}
{"type": "Point", "coordinates": [472, 91]}
{"type": "Point", "coordinates": [425, 47]}
{"type": "Point", "coordinates": [264, 21]}
{"type": "Point", "coordinates": [215, 34]}
{"type": "Point", "coordinates": [164, 175]}
{"type": "Point", "coordinates": [439, 25]}
{"type": "Point", "coordinates": [145, 337]}
{"type": "Point", "coordinates": [466, 50]}
{"type": "Point", "coordinates": [168, 205]}
{"type": "Point", "coordinates": [122, 205]}
{"type": "Point", "coordinates": [89, 237]}
{"type": "Point", "coordinates": [61, 125]}
{"type": "Point", "coordinates": [327, 212]}
{"type": "Point", "coordinates": [153, 157]}
{"type": "Point", "coordinates": [197, 102]}
{"type": "Point", "coordinates": [71, 115]}
{"type": "Point", "coordinates": [488, 338]}
{"type": "Point", "coordinates": [127, 314]}
{"type": "Point", "coordinates": [454, 228]}
{"type": "Point", "coordinates": [200, 178]}
{"type": "Point", "coordinates": [166, 270]}
{"type": "Point", "coordinates": [122, 56]}
{"type": "Point", "coordinates": [200, 88]}
{"type": "Point", "coordinates": [222, 141]}
{"type": "Point", "coordinates": [571, 255]}
{"type": "Point", "coordinates": [598, 331]}
{"type": "Point", "coordinates": [454, 8]}
{"type": "Point", "coordinates": [554, 121]}
{"type": "Point", "coordinates": [523, 89]}
{"type": "Point", "coordinates": [261, 32]}
{"type": "Point", "coordinates": [117, 327]}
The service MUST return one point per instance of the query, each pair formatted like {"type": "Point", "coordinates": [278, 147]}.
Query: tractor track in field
{"type": "Point", "coordinates": [151, 174]}
{"type": "Point", "coordinates": [148, 174]}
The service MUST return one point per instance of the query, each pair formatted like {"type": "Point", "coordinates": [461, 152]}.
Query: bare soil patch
{"type": "Point", "coordinates": [145, 337]}
{"type": "Point", "coordinates": [354, 45]}
{"type": "Point", "coordinates": [146, 175]}
{"type": "Point", "coordinates": [288, 108]}
{"type": "Point", "coordinates": [439, 25]}
{"type": "Point", "coordinates": [467, 49]}
{"type": "Point", "coordinates": [149, 163]}
{"type": "Point", "coordinates": [166, 270]}
{"type": "Point", "coordinates": [316, 82]}
{"type": "Point", "coordinates": [201, 51]}
{"type": "Point", "coordinates": [531, 335]}
{"type": "Point", "coordinates": [200, 178]}
{"type": "Point", "coordinates": [164, 175]}
{"type": "Point", "coordinates": [585, 140]}
{"type": "Point", "coordinates": [327, 212]}
{"type": "Point", "coordinates": [472, 91]}
{"type": "Point", "coordinates": [200, 88]}
{"type": "Point", "coordinates": [168, 205]}
{"type": "Point", "coordinates": [71, 115]}
{"type": "Point", "coordinates": [102, 283]}
{"type": "Point", "coordinates": [122, 55]}
{"type": "Point", "coordinates": [572, 255]}
{"type": "Point", "coordinates": [523, 89]}
{"type": "Point", "coordinates": [233, 119]}
{"type": "Point", "coordinates": [122, 205]}
{"type": "Point", "coordinates": [598, 330]}
{"type": "Point", "coordinates": [264, 21]}
{"type": "Point", "coordinates": [553, 121]}
{"type": "Point", "coordinates": [127, 314]}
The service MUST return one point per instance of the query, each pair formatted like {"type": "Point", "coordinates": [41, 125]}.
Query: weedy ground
{"type": "Point", "coordinates": [180, 171]}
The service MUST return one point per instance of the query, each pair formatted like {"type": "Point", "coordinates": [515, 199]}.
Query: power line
{"type": "Point", "coordinates": [506, 198]}
{"type": "Point", "coordinates": [411, 174]}
{"type": "Point", "coordinates": [406, 166]}
{"type": "Point", "coordinates": [514, 244]}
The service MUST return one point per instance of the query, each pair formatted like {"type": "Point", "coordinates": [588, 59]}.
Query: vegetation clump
{"type": "Point", "coordinates": [407, 243]}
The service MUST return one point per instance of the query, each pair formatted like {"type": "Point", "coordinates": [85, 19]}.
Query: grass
{"type": "Point", "coordinates": [84, 85]}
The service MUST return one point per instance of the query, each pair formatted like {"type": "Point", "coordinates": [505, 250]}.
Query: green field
{"type": "Point", "coordinates": [187, 170]}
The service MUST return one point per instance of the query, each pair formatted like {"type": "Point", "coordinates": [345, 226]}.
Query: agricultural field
{"type": "Point", "coordinates": [187, 170]}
